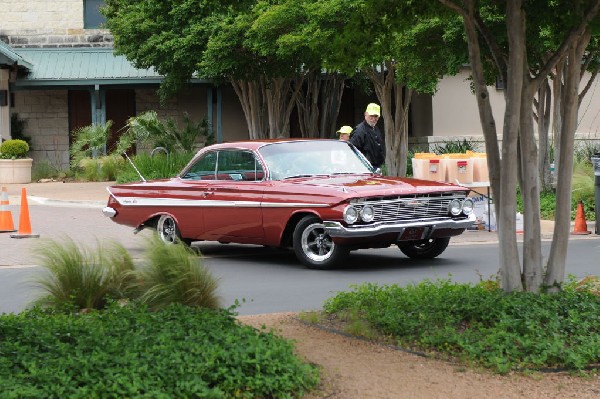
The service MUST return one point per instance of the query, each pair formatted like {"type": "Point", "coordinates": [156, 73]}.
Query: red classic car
{"type": "Point", "coordinates": [320, 197]}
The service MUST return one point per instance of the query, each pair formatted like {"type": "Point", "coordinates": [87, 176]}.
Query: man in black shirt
{"type": "Point", "coordinates": [368, 138]}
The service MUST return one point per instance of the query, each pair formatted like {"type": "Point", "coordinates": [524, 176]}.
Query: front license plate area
{"type": "Point", "coordinates": [411, 234]}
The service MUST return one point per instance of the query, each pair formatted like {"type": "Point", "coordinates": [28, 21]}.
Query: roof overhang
{"type": "Point", "coordinates": [9, 57]}
{"type": "Point", "coordinates": [58, 68]}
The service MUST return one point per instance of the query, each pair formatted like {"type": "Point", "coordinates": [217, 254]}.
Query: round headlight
{"type": "Point", "coordinates": [455, 207]}
{"type": "Point", "coordinates": [467, 206]}
{"type": "Point", "coordinates": [367, 214]}
{"type": "Point", "coordinates": [350, 214]}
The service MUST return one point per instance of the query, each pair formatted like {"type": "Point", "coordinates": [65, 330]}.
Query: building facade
{"type": "Point", "coordinates": [58, 73]}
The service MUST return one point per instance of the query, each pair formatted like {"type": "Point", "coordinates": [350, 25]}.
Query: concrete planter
{"type": "Point", "coordinates": [15, 170]}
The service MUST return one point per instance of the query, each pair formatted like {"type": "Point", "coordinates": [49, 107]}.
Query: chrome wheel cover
{"type": "Point", "coordinates": [316, 243]}
{"type": "Point", "coordinates": [167, 229]}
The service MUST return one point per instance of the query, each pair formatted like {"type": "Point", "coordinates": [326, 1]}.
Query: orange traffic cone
{"type": "Point", "coordinates": [580, 223]}
{"type": "Point", "coordinates": [24, 222]}
{"type": "Point", "coordinates": [6, 220]}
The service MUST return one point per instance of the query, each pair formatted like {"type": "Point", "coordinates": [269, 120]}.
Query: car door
{"type": "Point", "coordinates": [235, 198]}
{"type": "Point", "coordinates": [195, 195]}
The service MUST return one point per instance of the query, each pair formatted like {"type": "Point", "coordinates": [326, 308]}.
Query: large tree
{"type": "Point", "coordinates": [524, 71]}
{"type": "Point", "coordinates": [169, 36]}
{"type": "Point", "coordinates": [217, 40]}
{"type": "Point", "coordinates": [399, 53]}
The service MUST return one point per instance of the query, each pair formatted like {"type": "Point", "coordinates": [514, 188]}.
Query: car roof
{"type": "Point", "coordinates": [256, 144]}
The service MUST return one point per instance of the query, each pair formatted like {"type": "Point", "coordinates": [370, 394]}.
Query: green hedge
{"type": "Point", "coordinates": [129, 352]}
{"type": "Point", "coordinates": [482, 324]}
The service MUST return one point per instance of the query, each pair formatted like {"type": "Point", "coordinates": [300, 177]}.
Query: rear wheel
{"type": "Point", "coordinates": [424, 249]}
{"type": "Point", "coordinates": [314, 247]}
{"type": "Point", "coordinates": [168, 231]}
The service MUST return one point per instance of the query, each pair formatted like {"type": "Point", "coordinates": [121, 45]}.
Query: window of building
{"type": "Point", "coordinates": [499, 83]}
{"type": "Point", "coordinates": [92, 18]}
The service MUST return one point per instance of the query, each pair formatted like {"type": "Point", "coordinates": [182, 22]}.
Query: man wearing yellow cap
{"type": "Point", "coordinates": [368, 138]}
{"type": "Point", "coordinates": [344, 132]}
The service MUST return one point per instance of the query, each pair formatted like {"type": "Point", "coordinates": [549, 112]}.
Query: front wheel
{"type": "Point", "coordinates": [168, 231]}
{"type": "Point", "coordinates": [314, 247]}
{"type": "Point", "coordinates": [424, 249]}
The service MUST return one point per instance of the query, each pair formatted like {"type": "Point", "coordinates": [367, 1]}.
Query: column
{"type": "Point", "coordinates": [4, 109]}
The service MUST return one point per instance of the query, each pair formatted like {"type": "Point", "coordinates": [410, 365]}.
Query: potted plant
{"type": "Point", "coordinates": [15, 166]}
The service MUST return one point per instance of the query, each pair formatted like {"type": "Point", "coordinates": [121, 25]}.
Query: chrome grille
{"type": "Point", "coordinates": [431, 206]}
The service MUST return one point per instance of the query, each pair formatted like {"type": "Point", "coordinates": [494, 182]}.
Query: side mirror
{"type": "Point", "coordinates": [378, 171]}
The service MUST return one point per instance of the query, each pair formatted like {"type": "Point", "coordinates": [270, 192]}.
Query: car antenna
{"type": "Point", "coordinates": [134, 167]}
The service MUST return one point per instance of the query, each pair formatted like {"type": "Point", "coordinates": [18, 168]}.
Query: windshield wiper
{"type": "Point", "coordinates": [297, 176]}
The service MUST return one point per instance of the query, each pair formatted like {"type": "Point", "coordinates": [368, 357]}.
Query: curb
{"type": "Point", "coordinates": [64, 203]}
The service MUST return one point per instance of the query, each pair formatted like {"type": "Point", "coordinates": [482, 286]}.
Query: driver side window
{"type": "Point", "coordinates": [204, 168]}
{"type": "Point", "coordinates": [239, 165]}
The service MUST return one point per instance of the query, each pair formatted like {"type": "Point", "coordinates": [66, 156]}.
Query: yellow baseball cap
{"type": "Point", "coordinates": [373, 109]}
{"type": "Point", "coordinates": [345, 130]}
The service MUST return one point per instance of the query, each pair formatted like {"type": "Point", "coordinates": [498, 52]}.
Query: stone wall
{"type": "Point", "coordinates": [47, 123]}
{"type": "Point", "coordinates": [32, 15]}
{"type": "Point", "coordinates": [47, 23]}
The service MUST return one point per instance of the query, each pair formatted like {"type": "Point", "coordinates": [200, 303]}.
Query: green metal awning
{"type": "Point", "coordinates": [77, 66]}
{"type": "Point", "coordinates": [9, 57]}
{"type": "Point", "coordinates": [80, 67]}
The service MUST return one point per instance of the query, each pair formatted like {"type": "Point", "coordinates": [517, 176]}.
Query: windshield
{"type": "Point", "coordinates": [310, 158]}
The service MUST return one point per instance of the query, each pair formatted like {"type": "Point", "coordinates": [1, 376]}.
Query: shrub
{"type": "Point", "coordinates": [87, 279]}
{"type": "Point", "coordinates": [14, 149]}
{"type": "Point", "coordinates": [129, 352]}
{"type": "Point", "coordinates": [455, 147]}
{"type": "Point", "coordinates": [159, 166]}
{"type": "Point", "coordinates": [173, 275]}
{"type": "Point", "coordinates": [89, 142]}
{"type": "Point", "coordinates": [105, 168]}
{"type": "Point", "coordinates": [482, 324]}
{"type": "Point", "coordinates": [45, 170]}
{"type": "Point", "coordinates": [82, 277]}
{"type": "Point", "coordinates": [17, 128]}
{"type": "Point", "coordinates": [148, 128]}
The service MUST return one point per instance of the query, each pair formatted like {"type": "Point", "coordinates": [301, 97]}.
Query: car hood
{"type": "Point", "coordinates": [374, 185]}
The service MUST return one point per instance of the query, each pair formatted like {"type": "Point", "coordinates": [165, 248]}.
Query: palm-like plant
{"type": "Point", "coordinates": [89, 142]}
{"type": "Point", "coordinates": [174, 274]}
{"type": "Point", "coordinates": [83, 277]}
{"type": "Point", "coordinates": [148, 128]}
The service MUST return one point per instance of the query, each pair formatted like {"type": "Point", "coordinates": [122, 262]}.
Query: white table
{"type": "Point", "coordinates": [477, 184]}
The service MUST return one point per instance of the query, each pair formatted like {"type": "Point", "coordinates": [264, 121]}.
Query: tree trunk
{"type": "Point", "coordinates": [543, 107]}
{"type": "Point", "coordinates": [509, 257]}
{"type": "Point", "coordinates": [318, 104]}
{"type": "Point", "coordinates": [331, 100]}
{"type": "Point", "coordinates": [530, 190]}
{"type": "Point", "coordinates": [557, 112]}
{"type": "Point", "coordinates": [250, 96]}
{"type": "Point", "coordinates": [395, 104]}
{"type": "Point", "coordinates": [267, 105]}
{"type": "Point", "coordinates": [558, 251]}
{"type": "Point", "coordinates": [280, 97]}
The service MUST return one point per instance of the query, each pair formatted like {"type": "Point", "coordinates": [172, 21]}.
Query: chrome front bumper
{"type": "Point", "coordinates": [336, 229]}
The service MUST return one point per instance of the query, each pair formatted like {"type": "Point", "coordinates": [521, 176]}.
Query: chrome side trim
{"type": "Point", "coordinates": [336, 229]}
{"type": "Point", "coordinates": [139, 201]}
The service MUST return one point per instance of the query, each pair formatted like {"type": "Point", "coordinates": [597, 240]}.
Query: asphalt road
{"type": "Point", "coordinates": [263, 280]}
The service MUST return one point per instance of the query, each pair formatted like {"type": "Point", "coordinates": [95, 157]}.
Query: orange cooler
{"type": "Point", "coordinates": [428, 166]}
{"type": "Point", "coordinates": [459, 169]}
{"type": "Point", "coordinates": [436, 170]}
{"type": "Point", "coordinates": [480, 167]}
